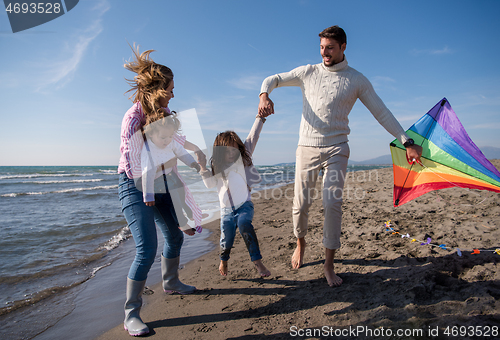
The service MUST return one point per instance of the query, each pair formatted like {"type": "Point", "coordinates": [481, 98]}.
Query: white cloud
{"type": "Point", "coordinates": [60, 71]}
{"type": "Point", "coordinates": [203, 106]}
{"type": "Point", "coordinates": [247, 83]}
{"type": "Point", "coordinates": [444, 50]}
{"type": "Point", "coordinates": [255, 48]}
{"type": "Point", "coordinates": [408, 118]}
{"type": "Point", "coordinates": [489, 126]}
{"type": "Point", "coordinates": [383, 83]}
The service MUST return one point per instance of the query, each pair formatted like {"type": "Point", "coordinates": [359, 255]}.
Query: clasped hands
{"type": "Point", "coordinates": [266, 105]}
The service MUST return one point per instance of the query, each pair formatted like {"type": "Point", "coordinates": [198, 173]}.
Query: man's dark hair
{"type": "Point", "coordinates": [334, 32]}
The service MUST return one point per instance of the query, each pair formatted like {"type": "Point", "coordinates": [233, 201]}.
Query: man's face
{"type": "Point", "coordinates": [331, 51]}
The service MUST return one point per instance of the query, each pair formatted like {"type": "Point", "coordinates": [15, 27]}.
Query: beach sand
{"type": "Point", "coordinates": [391, 284]}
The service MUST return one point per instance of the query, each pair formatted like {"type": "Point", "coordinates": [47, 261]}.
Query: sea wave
{"type": "Point", "coordinates": [57, 182]}
{"type": "Point", "coordinates": [36, 175]}
{"type": "Point", "coordinates": [272, 173]}
{"type": "Point", "coordinates": [103, 187]}
{"type": "Point", "coordinates": [108, 172]}
{"type": "Point", "coordinates": [114, 241]}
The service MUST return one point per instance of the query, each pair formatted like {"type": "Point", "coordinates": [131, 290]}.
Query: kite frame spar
{"type": "Point", "coordinates": [449, 158]}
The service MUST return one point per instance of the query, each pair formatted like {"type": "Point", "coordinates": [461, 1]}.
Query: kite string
{"type": "Point", "coordinates": [407, 175]}
{"type": "Point", "coordinates": [389, 228]}
{"type": "Point", "coordinates": [454, 184]}
{"type": "Point", "coordinates": [422, 143]}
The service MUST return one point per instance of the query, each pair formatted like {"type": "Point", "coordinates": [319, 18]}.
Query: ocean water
{"type": "Point", "coordinates": [57, 223]}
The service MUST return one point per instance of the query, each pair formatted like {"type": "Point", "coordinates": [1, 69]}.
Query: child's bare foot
{"type": "Point", "coordinates": [298, 254]}
{"type": "Point", "coordinates": [263, 271]}
{"type": "Point", "coordinates": [223, 268]}
{"type": "Point", "coordinates": [332, 278]}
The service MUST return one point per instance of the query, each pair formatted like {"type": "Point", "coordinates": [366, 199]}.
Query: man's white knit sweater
{"type": "Point", "coordinates": [329, 93]}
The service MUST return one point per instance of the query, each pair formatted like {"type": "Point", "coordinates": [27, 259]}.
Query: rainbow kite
{"type": "Point", "coordinates": [449, 158]}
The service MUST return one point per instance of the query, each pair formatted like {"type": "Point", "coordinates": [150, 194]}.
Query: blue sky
{"type": "Point", "coordinates": [63, 90]}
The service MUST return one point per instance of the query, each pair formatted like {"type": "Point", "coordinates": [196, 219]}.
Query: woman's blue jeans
{"type": "Point", "coordinates": [141, 221]}
{"type": "Point", "coordinates": [241, 218]}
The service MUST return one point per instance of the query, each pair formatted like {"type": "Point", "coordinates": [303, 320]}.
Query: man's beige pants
{"type": "Point", "coordinates": [309, 161]}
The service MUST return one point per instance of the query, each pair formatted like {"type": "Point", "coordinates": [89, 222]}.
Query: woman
{"type": "Point", "coordinates": [153, 86]}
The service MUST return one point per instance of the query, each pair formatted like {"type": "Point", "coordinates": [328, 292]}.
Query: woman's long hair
{"type": "Point", "coordinates": [150, 83]}
{"type": "Point", "coordinates": [222, 142]}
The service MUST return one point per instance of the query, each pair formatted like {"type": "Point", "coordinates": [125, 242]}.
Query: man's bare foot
{"type": "Point", "coordinates": [263, 271]}
{"type": "Point", "coordinates": [298, 254]}
{"type": "Point", "coordinates": [332, 278]}
{"type": "Point", "coordinates": [223, 268]}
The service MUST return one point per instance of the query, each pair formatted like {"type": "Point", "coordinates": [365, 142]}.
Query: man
{"type": "Point", "coordinates": [329, 91]}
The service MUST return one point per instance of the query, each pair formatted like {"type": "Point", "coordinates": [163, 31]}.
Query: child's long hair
{"type": "Point", "coordinates": [222, 141]}
{"type": "Point", "coordinates": [156, 121]}
{"type": "Point", "coordinates": [150, 83]}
